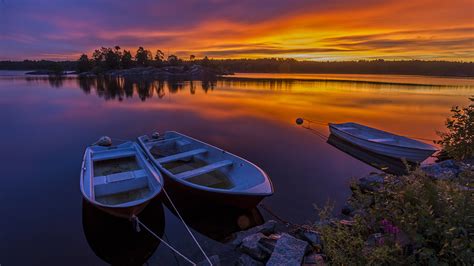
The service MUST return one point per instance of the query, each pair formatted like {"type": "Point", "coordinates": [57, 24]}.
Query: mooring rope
{"type": "Point", "coordinates": [179, 216]}
{"type": "Point", "coordinates": [139, 223]}
{"type": "Point", "coordinates": [186, 226]}
{"type": "Point", "coordinates": [274, 215]}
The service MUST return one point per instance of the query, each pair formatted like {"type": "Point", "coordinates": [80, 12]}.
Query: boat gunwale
{"type": "Point", "coordinates": [155, 173]}
{"type": "Point", "coordinates": [333, 126]}
{"type": "Point", "coordinates": [267, 181]}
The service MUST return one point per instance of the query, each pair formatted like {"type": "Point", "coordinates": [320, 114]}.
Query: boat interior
{"type": "Point", "coordinates": [182, 159]}
{"type": "Point", "coordinates": [119, 179]}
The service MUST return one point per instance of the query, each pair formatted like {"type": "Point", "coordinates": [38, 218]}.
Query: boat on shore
{"type": "Point", "coordinates": [199, 173]}
{"type": "Point", "coordinates": [382, 142]}
{"type": "Point", "coordinates": [119, 179]}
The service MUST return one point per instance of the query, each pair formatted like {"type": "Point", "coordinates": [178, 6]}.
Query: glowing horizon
{"type": "Point", "coordinates": [306, 30]}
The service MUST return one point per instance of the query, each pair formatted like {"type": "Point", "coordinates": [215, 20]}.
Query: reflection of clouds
{"type": "Point", "coordinates": [394, 107]}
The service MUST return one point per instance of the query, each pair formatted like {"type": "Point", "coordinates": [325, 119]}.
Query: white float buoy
{"type": "Point", "coordinates": [104, 141]}
{"type": "Point", "coordinates": [155, 135]}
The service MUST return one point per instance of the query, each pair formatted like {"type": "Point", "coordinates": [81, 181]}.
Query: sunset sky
{"type": "Point", "coordinates": [303, 29]}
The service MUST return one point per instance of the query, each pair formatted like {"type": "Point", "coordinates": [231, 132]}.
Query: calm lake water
{"type": "Point", "coordinates": [47, 123]}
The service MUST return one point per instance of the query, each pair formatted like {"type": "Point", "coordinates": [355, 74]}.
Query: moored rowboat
{"type": "Point", "coordinates": [382, 142]}
{"type": "Point", "coordinates": [119, 179]}
{"type": "Point", "coordinates": [196, 172]}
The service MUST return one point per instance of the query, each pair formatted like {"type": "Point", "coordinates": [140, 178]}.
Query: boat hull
{"type": "Point", "coordinates": [122, 212]}
{"type": "Point", "coordinates": [409, 154]}
{"type": "Point", "coordinates": [187, 197]}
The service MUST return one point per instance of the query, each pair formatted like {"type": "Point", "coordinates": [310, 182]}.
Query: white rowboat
{"type": "Point", "coordinates": [195, 171]}
{"type": "Point", "coordinates": [119, 179]}
{"type": "Point", "coordinates": [382, 142]}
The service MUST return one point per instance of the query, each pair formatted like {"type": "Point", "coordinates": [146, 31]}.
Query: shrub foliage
{"type": "Point", "coordinates": [458, 141]}
{"type": "Point", "coordinates": [408, 220]}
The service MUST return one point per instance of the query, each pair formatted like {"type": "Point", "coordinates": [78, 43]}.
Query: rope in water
{"type": "Point", "coordinates": [139, 223]}
{"type": "Point", "coordinates": [186, 226]}
{"type": "Point", "coordinates": [263, 206]}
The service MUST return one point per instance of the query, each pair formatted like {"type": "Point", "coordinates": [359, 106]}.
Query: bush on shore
{"type": "Point", "coordinates": [411, 219]}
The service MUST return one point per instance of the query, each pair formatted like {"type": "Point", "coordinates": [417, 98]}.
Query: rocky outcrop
{"type": "Point", "coordinates": [168, 72]}
{"type": "Point", "coordinates": [266, 229]}
{"type": "Point", "coordinates": [444, 170]}
{"type": "Point", "coordinates": [251, 246]}
{"type": "Point", "coordinates": [288, 251]}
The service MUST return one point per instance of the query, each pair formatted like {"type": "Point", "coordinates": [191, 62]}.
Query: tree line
{"type": "Point", "coordinates": [108, 58]}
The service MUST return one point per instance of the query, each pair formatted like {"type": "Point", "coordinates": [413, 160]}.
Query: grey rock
{"type": "Point", "coordinates": [250, 246]}
{"type": "Point", "coordinates": [267, 244]}
{"type": "Point", "coordinates": [314, 259]}
{"type": "Point", "coordinates": [312, 237]}
{"type": "Point", "coordinates": [266, 229]}
{"type": "Point", "coordinates": [288, 251]}
{"type": "Point", "coordinates": [371, 182]}
{"type": "Point", "coordinates": [444, 170]}
{"type": "Point", "coordinates": [466, 165]}
{"type": "Point", "coordinates": [214, 260]}
{"type": "Point", "coordinates": [246, 260]}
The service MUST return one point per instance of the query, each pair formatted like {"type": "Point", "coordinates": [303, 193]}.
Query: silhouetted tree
{"type": "Point", "coordinates": [56, 69]}
{"type": "Point", "coordinates": [113, 57]}
{"type": "Point", "coordinates": [143, 56]}
{"type": "Point", "coordinates": [205, 62]}
{"type": "Point", "coordinates": [192, 57]}
{"type": "Point", "coordinates": [127, 60]}
{"type": "Point", "coordinates": [159, 56]}
{"type": "Point", "coordinates": [83, 64]}
{"type": "Point", "coordinates": [173, 60]}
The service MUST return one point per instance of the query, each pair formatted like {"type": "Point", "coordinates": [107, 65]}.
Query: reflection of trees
{"type": "Point", "coordinates": [207, 84]}
{"type": "Point", "coordinates": [120, 88]}
{"type": "Point", "coordinates": [175, 85]}
{"type": "Point", "coordinates": [55, 81]}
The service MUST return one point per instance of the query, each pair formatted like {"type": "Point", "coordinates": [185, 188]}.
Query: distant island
{"type": "Point", "coordinates": [113, 61]}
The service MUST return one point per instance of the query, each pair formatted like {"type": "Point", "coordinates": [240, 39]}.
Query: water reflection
{"type": "Point", "coordinates": [120, 88]}
{"type": "Point", "coordinates": [384, 163]}
{"type": "Point", "coordinates": [219, 223]}
{"type": "Point", "coordinates": [116, 241]}
{"type": "Point", "coordinates": [253, 119]}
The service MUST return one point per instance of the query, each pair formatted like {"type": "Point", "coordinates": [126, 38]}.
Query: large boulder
{"type": "Point", "coordinates": [314, 259]}
{"type": "Point", "coordinates": [288, 251]}
{"type": "Point", "coordinates": [371, 182]}
{"type": "Point", "coordinates": [266, 229]}
{"type": "Point", "coordinates": [250, 246]}
{"type": "Point", "coordinates": [310, 236]}
{"type": "Point", "coordinates": [444, 170]}
{"type": "Point", "coordinates": [246, 260]}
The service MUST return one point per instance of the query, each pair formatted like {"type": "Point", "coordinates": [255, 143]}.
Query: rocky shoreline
{"type": "Point", "coordinates": [276, 243]}
{"type": "Point", "coordinates": [168, 72]}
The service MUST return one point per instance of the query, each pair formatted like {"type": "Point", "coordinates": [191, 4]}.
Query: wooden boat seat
{"type": "Point", "coordinates": [120, 182]}
{"type": "Point", "coordinates": [382, 140]}
{"type": "Point", "coordinates": [204, 170]}
{"type": "Point", "coordinates": [180, 156]}
{"type": "Point", "coordinates": [112, 154]}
